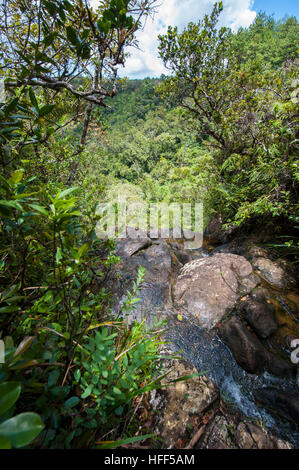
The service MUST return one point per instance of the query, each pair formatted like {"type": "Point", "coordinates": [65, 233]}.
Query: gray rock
{"type": "Point", "coordinates": [250, 436]}
{"type": "Point", "coordinates": [230, 431]}
{"type": "Point", "coordinates": [159, 263]}
{"type": "Point", "coordinates": [136, 240]}
{"type": "Point", "coordinates": [260, 315]}
{"type": "Point", "coordinates": [181, 403]}
{"type": "Point", "coordinates": [247, 350]}
{"type": "Point", "coordinates": [209, 288]}
{"type": "Point", "coordinates": [279, 367]}
{"type": "Point", "coordinates": [274, 273]}
{"type": "Point", "coordinates": [219, 434]}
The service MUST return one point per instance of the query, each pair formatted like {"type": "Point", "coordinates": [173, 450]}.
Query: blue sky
{"type": "Point", "coordinates": [278, 7]}
{"type": "Point", "coordinates": [236, 13]}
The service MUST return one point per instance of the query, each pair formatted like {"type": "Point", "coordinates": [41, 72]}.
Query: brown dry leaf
{"type": "Point", "coordinates": [195, 420]}
{"type": "Point", "coordinates": [180, 443]}
{"type": "Point", "coordinates": [206, 418]}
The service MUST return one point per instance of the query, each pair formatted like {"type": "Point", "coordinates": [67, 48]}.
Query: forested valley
{"type": "Point", "coordinates": [220, 129]}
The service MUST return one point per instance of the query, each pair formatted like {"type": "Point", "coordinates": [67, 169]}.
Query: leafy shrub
{"type": "Point", "coordinates": [21, 429]}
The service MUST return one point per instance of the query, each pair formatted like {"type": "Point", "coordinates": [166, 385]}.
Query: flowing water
{"type": "Point", "coordinates": [207, 353]}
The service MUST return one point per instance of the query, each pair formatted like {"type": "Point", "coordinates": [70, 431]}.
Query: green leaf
{"type": "Point", "coordinates": [84, 52]}
{"type": "Point", "coordinates": [8, 293]}
{"type": "Point", "coordinates": [53, 377]}
{"type": "Point", "coordinates": [71, 402]}
{"type": "Point", "coordinates": [109, 15]}
{"type": "Point", "coordinates": [130, 440]}
{"type": "Point", "coordinates": [68, 6]}
{"type": "Point", "coordinates": [51, 8]}
{"type": "Point", "coordinates": [16, 177]}
{"type": "Point", "coordinates": [22, 429]}
{"type": "Point", "coordinates": [9, 130]}
{"type": "Point", "coordinates": [64, 193]}
{"type": "Point", "coordinates": [6, 207]}
{"type": "Point", "coordinates": [11, 106]}
{"type": "Point", "coordinates": [39, 208]}
{"type": "Point", "coordinates": [61, 13]}
{"type": "Point", "coordinates": [72, 36]}
{"type": "Point", "coordinates": [24, 365]}
{"type": "Point", "coordinates": [87, 391]}
{"type": "Point", "coordinates": [82, 250]}
{"type": "Point", "coordinates": [33, 98]}
{"type": "Point", "coordinates": [119, 410]}
{"type": "Point", "coordinates": [47, 109]}
{"type": "Point", "coordinates": [77, 375]}
{"type": "Point", "coordinates": [48, 40]}
{"type": "Point", "coordinates": [9, 393]}
{"type": "Point", "coordinates": [58, 255]}
{"type": "Point", "coordinates": [24, 345]}
{"type": "Point", "coordinates": [4, 443]}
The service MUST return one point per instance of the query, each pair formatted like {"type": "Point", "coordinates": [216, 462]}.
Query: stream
{"type": "Point", "coordinates": [206, 352]}
{"type": "Point", "coordinates": [202, 347]}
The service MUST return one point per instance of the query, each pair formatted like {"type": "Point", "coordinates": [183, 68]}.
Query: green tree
{"type": "Point", "coordinates": [47, 45]}
{"type": "Point", "coordinates": [268, 41]}
{"type": "Point", "coordinates": [244, 111]}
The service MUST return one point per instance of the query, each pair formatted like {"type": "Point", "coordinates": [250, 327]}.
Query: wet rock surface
{"type": "Point", "coordinates": [159, 262]}
{"type": "Point", "coordinates": [284, 403]}
{"type": "Point", "coordinates": [275, 273]}
{"type": "Point", "coordinates": [190, 414]}
{"type": "Point", "coordinates": [245, 346]}
{"type": "Point", "coordinates": [260, 316]}
{"type": "Point", "coordinates": [214, 231]}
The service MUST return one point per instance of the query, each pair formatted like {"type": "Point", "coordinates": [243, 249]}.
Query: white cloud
{"type": "Point", "coordinates": [146, 63]}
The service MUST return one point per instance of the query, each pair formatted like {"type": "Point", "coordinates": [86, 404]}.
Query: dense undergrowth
{"type": "Point", "coordinates": [222, 131]}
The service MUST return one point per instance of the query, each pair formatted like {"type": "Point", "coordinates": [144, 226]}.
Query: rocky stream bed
{"type": "Point", "coordinates": [233, 312]}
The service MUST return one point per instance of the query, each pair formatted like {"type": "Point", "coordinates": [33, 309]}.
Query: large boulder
{"type": "Point", "coordinates": [260, 315]}
{"type": "Point", "coordinates": [247, 350]}
{"type": "Point", "coordinates": [135, 241]}
{"type": "Point", "coordinates": [210, 287]}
